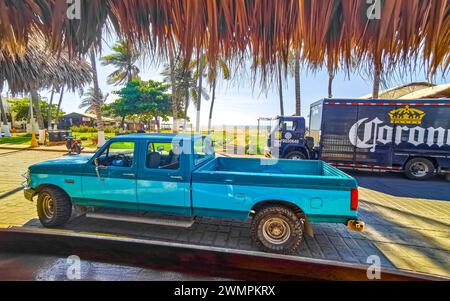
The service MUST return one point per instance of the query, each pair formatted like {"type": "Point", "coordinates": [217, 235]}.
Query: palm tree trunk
{"type": "Point", "coordinates": [298, 100]}
{"type": "Point", "coordinates": [376, 84]}
{"type": "Point", "coordinates": [122, 123]}
{"type": "Point", "coordinates": [330, 84]}
{"type": "Point", "coordinates": [199, 100]}
{"type": "Point", "coordinates": [59, 106]}
{"type": "Point", "coordinates": [97, 102]}
{"type": "Point", "coordinates": [158, 126]}
{"type": "Point", "coordinates": [37, 108]}
{"type": "Point", "coordinates": [280, 89]}
{"type": "Point", "coordinates": [3, 112]}
{"type": "Point", "coordinates": [50, 117]}
{"type": "Point", "coordinates": [174, 92]}
{"type": "Point", "coordinates": [212, 105]}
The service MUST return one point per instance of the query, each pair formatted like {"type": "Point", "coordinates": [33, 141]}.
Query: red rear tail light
{"type": "Point", "coordinates": [354, 200]}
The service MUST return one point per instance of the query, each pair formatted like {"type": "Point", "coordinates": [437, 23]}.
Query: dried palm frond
{"type": "Point", "coordinates": [38, 68]}
{"type": "Point", "coordinates": [334, 33]}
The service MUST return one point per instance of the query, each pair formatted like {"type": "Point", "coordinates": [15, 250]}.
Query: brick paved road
{"type": "Point", "coordinates": [398, 230]}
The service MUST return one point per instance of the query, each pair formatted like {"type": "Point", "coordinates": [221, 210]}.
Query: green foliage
{"type": "Point", "coordinates": [21, 107]}
{"type": "Point", "coordinates": [123, 58]}
{"type": "Point", "coordinates": [93, 129]}
{"type": "Point", "coordinates": [83, 129]}
{"type": "Point", "coordinates": [142, 99]}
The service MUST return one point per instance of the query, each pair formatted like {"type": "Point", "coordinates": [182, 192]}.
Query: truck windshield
{"type": "Point", "coordinates": [203, 150]}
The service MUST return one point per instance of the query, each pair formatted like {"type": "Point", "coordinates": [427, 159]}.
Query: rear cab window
{"type": "Point", "coordinates": [203, 150]}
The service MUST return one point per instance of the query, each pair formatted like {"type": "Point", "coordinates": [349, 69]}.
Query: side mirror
{"type": "Point", "coordinates": [96, 162]}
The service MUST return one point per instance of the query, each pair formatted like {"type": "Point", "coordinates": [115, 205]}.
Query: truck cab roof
{"type": "Point", "coordinates": [164, 137]}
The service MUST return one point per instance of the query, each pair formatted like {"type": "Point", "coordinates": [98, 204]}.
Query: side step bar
{"type": "Point", "coordinates": [179, 223]}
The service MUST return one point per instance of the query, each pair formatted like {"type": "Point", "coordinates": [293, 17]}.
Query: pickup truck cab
{"type": "Point", "coordinates": [179, 175]}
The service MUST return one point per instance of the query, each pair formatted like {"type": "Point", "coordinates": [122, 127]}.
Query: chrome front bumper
{"type": "Point", "coordinates": [29, 193]}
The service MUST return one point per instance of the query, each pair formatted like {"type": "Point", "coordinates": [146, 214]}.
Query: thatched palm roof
{"type": "Point", "coordinates": [38, 68]}
{"type": "Point", "coordinates": [331, 32]}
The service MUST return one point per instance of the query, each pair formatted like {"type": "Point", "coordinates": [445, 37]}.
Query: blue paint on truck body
{"type": "Point", "coordinates": [199, 184]}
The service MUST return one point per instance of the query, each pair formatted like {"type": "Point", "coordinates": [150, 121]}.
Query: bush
{"type": "Point", "coordinates": [84, 129]}
{"type": "Point", "coordinates": [93, 129]}
{"type": "Point", "coordinates": [112, 129]}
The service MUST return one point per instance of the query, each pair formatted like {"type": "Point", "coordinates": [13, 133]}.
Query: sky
{"type": "Point", "coordinates": [238, 103]}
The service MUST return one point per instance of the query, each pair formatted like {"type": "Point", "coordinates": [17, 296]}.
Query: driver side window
{"type": "Point", "coordinates": [118, 154]}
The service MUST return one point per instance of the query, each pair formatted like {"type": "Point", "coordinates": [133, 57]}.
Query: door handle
{"type": "Point", "coordinates": [128, 175]}
{"type": "Point", "coordinates": [177, 177]}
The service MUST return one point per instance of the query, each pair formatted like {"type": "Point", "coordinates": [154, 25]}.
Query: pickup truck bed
{"type": "Point", "coordinates": [236, 186]}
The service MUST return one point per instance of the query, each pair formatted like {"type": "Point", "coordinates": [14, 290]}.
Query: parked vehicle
{"type": "Point", "coordinates": [180, 176]}
{"type": "Point", "coordinates": [73, 145]}
{"type": "Point", "coordinates": [381, 135]}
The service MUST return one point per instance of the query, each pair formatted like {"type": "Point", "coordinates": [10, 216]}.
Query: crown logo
{"type": "Point", "coordinates": [407, 115]}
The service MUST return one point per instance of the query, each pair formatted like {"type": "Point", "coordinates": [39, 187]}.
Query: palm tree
{"type": "Point", "coordinates": [376, 83]}
{"type": "Point", "coordinates": [89, 102]}
{"type": "Point", "coordinates": [175, 104]}
{"type": "Point", "coordinates": [38, 68]}
{"type": "Point", "coordinates": [330, 83]}
{"type": "Point", "coordinates": [3, 113]}
{"type": "Point", "coordinates": [61, 95]}
{"type": "Point", "coordinates": [212, 80]}
{"type": "Point", "coordinates": [201, 67]}
{"type": "Point", "coordinates": [97, 100]}
{"type": "Point", "coordinates": [124, 59]}
{"type": "Point", "coordinates": [298, 99]}
{"type": "Point", "coordinates": [185, 81]}
{"type": "Point", "coordinates": [280, 89]}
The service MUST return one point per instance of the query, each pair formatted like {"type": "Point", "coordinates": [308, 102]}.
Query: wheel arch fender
{"type": "Point", "coordinates": [294, 206]}
{"type": "Point", "coordinates": [41, 187]}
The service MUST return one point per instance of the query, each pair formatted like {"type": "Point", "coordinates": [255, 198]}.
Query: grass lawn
{"type": "Point", "coordinates": [18, 139]}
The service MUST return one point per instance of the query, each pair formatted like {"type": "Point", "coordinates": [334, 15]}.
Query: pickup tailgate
{"type": "Point", "coordinates": [231, 187]}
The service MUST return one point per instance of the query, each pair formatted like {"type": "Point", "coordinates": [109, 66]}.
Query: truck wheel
{"type": "Point", "coordinates": [296, 156]}
{"type": "Point", "coordinates": [277, 230]}
{"type": "Point", "coordinates": [420, 169]}
{"type": "Point", "coordinates": [54, 207]}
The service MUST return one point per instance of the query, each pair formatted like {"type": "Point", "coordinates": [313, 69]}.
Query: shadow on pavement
{"type": "Point", "coordinates": [11, 192]}
{"type": "Point", "coordinates": [397, 185]}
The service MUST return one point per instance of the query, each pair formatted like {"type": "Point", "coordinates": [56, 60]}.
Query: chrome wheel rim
{"type": "Point", "coordinates": [276, 231]}
{"type": "Point", "coordinates": [48, 206]}
{"type": "Point", "coordinates": [419, 169]}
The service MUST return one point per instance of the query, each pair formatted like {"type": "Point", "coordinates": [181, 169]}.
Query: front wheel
{"type": "Point", "coordinates": [54, 207]}
{"type": "Point", "coordinates": [277, 230]}
{"type": "Point", "coordinates": [296, 156]}
{"type": "Point", "coordinates": [420, 169]}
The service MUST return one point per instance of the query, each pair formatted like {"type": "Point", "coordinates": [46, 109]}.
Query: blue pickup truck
{"type": "Point", "coordinates": [179, 178]}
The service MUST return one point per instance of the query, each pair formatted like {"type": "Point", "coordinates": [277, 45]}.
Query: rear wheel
{"type": "Point", "coordinates": [54, 207]}
{"type": "Point", "coordinates": [420, 169]}
{"type": "Point", "coordinates": [277, 230]}
{"type": "Point", "coordinates": [296, 156]}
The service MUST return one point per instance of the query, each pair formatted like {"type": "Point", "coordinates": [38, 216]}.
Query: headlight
{"type": "Point", "coordinates": [27, 177]}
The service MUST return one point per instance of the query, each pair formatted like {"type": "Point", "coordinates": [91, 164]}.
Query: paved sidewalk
{"type": "Point", "coordinates": [408, 222]}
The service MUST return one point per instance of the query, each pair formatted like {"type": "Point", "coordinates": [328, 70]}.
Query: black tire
{"type": "Point", "coordinates": [61, 207]}
{"type": "Point", "coordinates": [296, 156]}
{"type": "Point", "coordinates": [284, 244]}
{"type": "Point", "coordinates": [420, 169]}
